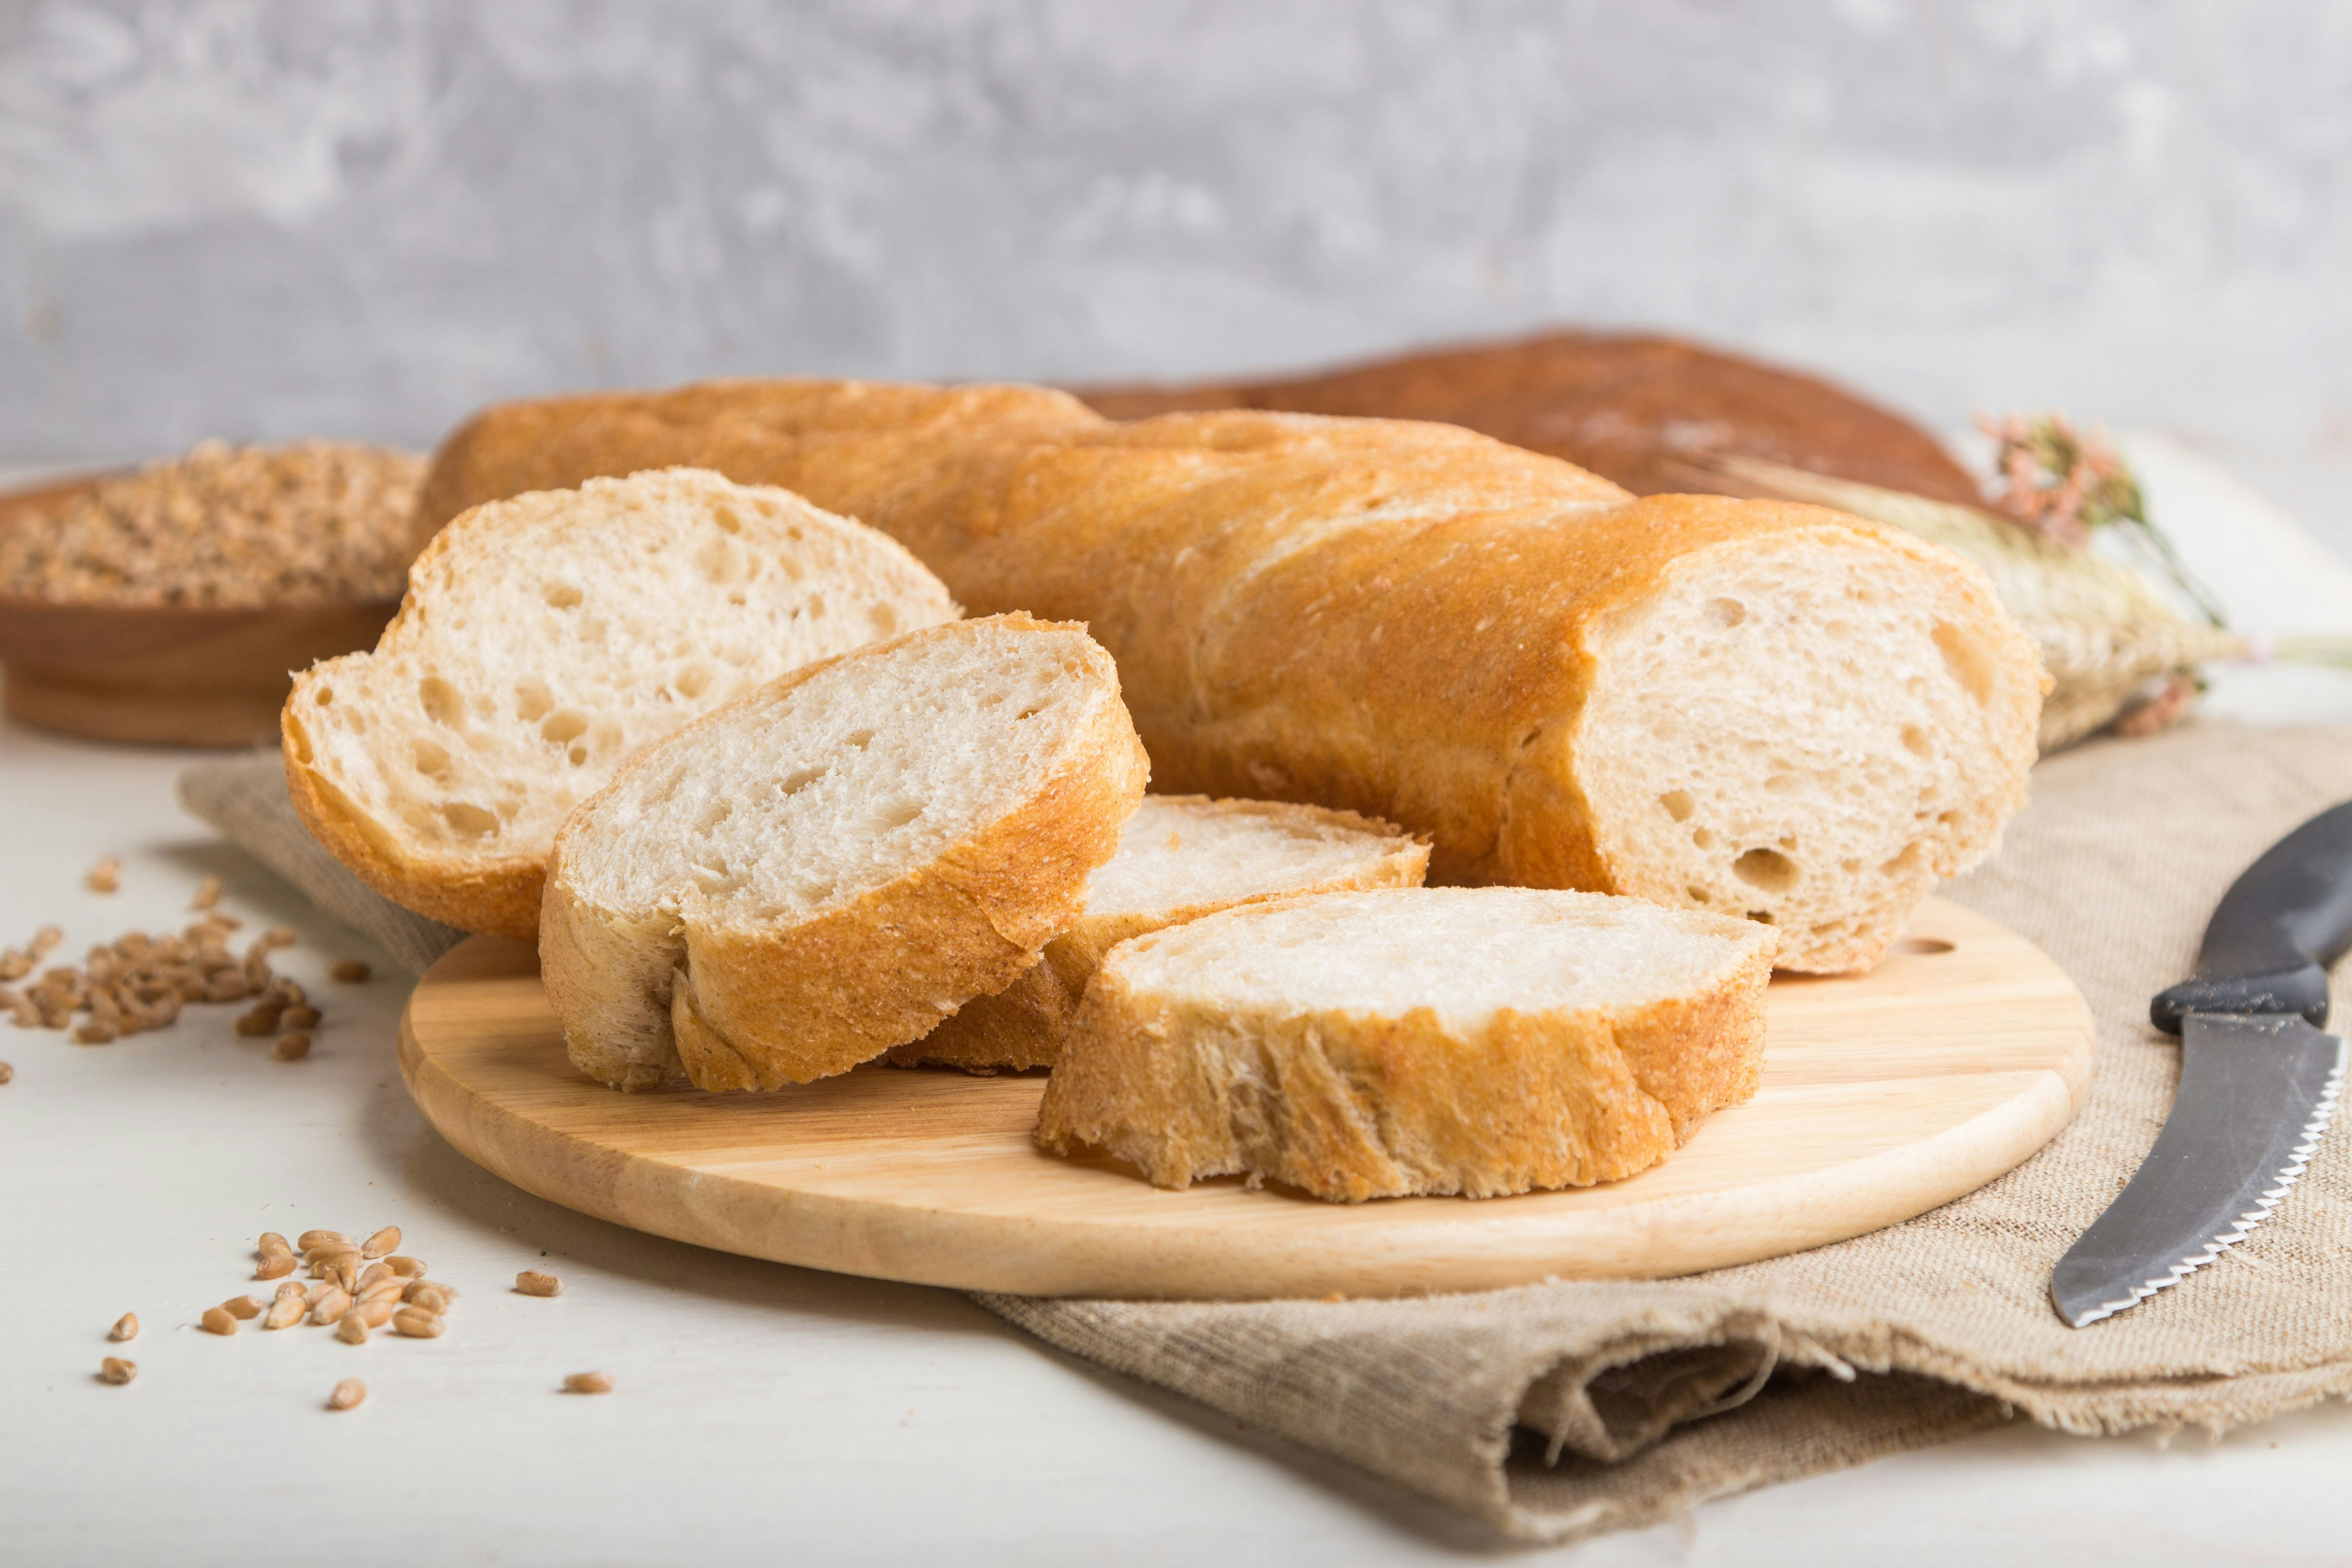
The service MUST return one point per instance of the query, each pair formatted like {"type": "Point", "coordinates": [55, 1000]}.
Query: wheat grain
{"type": "Point", "coordinates": [115, 1370]}
{"type": "Point", "coordinates": [216, 1320]}
{"type": "Point", "coordinates": [350, 971]}
{"type": "Point", "coordinates": [290, 1047]}
{"type": "Point", "coordinates": [106, 876]}
{"type": "Point", "coordinates": [589, 1382]}
{"type": "Point", "coordinates": [126, 1327]}
{"type": "Point", "coordinates": [418, 1324]}
{"type": "Point", "coordinates": [380, 1243]}
{"type": "Point", "coordinates": [347, 1395]}
{"type": "Point", "coordinates": [531, 1282]}
{"type": "Point", "coordinates": [353, 1329]}
{"type": "Point", "coordinates": [244, 1308]}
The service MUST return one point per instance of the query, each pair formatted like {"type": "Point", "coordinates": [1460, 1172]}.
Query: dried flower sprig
{"type": "Point", "coordinates": [2065, 483]}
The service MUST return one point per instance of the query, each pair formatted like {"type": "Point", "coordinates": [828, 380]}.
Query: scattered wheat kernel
{"type": "Point", "coordinates": [292, 1287]}
{"type": "Point", "coordinates": [126, 1327]}
{"type": "Point", "coordinates": [330, 1307]}
{"type": "Point", "coordinates": [290, 1047]}
{"type": "Point", "coordinates": [316, 1293]}
{"type": "Point", "coordinates": [406, 1267]}
{"type": "Point", "coordinates": [372, 1273]}
{"type": "Point", "coordinates": [7, 1072]}
{"type": "Point", "coordinates": [216, 1320]}
{"type": "Point", "coordinates": [381, 1242]}
{"type": "Point", "coordinates": [343, 1273]}
{"type": "Point", "coordinates": [113, 1369]}
{"type": "Point", "coordinates": [261, 1020]}
{"type": "Point", "coordinates": [382, 1290]}
{"type": "Point", "coordinates": [352, 1329]}
{"type": "Point", "coordinates": [93, 1034]}
{"type": "Point", "coordinates": [273, 1245]}
{"type": "Point", "coordinates": [429, 1298]}
{"type": "Point", "coordinates": [244, 1308]}
{"type": "Point", "coordinates": [348, 1393]}
{"type": "Point", "coordinates": [310, 1238]}
{"type": "Point", "coordinates": [285, 1312]}
{"type": "Point", "coordinates": [418, 1323]}
{"type": "Point", "coordinates": [376, 1313]}
{"type": "Point", "coordinates": [350, 971]}
{"type": "Point", "coordinates": [275, 1267]}
{"type": "Point", "coordinates": [531, 1282]}
{"type": "Point", "coordinates": [208, 893]}
{"type": "Point", "coordinates": [299, 1018]}
{"type": "Point", "coordinates": [589, 1382]}
{"type": "Point", "coordinates": [106, 876]}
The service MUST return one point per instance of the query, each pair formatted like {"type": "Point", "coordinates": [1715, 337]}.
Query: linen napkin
{"type": "Point", "coordinates": [1565, 1410]}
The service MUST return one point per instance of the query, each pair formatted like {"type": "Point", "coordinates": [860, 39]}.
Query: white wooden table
{"type": "Point", "coordinates": [763, 1414]}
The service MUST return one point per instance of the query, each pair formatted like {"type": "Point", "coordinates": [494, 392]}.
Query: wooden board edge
{"type": "Point", "coordinates": [1456, 1253]}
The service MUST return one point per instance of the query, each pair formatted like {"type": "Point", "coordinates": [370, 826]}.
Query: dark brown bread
{"type": "Point", "coordinates": [1632, 408]}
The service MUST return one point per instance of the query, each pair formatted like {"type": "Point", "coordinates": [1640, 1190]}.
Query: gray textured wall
{"type": "Point", "coordinates": [230, 216]}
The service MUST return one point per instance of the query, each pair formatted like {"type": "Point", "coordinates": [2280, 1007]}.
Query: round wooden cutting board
{"type": "Point", "coordinates": [1884, 1095]}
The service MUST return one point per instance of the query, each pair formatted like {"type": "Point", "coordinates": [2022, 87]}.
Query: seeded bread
{"type": "Point", "coordinates": [1180, 858]}
{"type": "Point", "coordinates": [1755, 708]}
{"type": "Point", "coordinates": [828, 866]}
{"type": "Point", "coordinates": [544, 639]}
{"type": "Point", "coordinates": [1479, 1041]}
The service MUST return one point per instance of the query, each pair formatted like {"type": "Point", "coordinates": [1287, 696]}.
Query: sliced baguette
{"type": "Point", "coordinates": [825, 868]}
{"type": "Point", "coordinates": [1481, 1041]}
{"type": "Point", "coordinates": [1181, 857]}
{"type": "Point", "coordinates": [547, 637]}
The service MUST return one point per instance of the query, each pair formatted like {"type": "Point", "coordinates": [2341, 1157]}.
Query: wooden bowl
{"type": "Point", "coordinates": [160, 674]}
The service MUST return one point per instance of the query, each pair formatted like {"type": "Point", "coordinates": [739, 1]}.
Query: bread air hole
{"type": "Point", "coordinates": [561, 595]}
{"type": "Point", "coordinates": [692, 681]}
{"type": "Point", "coordinates": [430, 757]}
{"type": "Point", "coordinates": [469, 820]}
{"type": "Point", "coordinates": [816, 607]}
{"type": "Point", "coordinates": [1724, 614]}
{"type": "Point", "coordinates": [1768, 870]}
{"type": "Point", "coordinates": [1916, 742]}
{"type": "Point", "coordinates": [565, 724]}
{"type": "Point", "coordinates": [858, 740]}
{"type": "Point", "coordinates": [724, 516]}
{"type": "Point", "coordinates": [897, 813]}
{"type": "Point", "coordinates": [326, 696]}
{"type": "Point", "coordinates": [532, 699]}
{"type": "Point", "coordinates": [1967, 661]}
{"type": "Point", "coordinates": [885, 620]}
{"type": "Point", "coordinates": [792, 783]}
{"type": "Point", "coordinates": [577, 755]}
{"type": "Point", "coordinates": [1677, 802]}
{"type": "Point", "coordinates": [441, 702]}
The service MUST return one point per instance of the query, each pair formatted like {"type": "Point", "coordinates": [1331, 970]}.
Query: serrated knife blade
{"type": "Point", "coordinates": [2256, 1093]}
{"type": "Point", "coordinates": [2259, 1079]}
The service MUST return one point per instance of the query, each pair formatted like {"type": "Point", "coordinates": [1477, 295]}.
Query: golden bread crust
{"type": "Point", "coordinates": [1396, 618]}
{"type": "Point", "coordinates": [761, 1005]}
{"type": "Point", "coordinates": [1349, 1106]}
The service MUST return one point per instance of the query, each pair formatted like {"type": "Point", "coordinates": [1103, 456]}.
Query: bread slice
{"type": "Point", "coordinates": [544, 639]}
{"type": "Point", "coordinates": [1181, 857]}
{"type": "Point", "coordinates": [826, 867]}
{"type": "Point", "coordinates": [1474, 1040]}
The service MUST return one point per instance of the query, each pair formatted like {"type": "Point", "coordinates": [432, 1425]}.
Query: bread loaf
{"type": "Point", "coordinates": [1180, 858]}
{"type": "Point", "coordinates": [825, 867]}
{"type": "Point", "coordinates": [1481, 1041]}
{"type": "Point", "coordinates": [1636, 408]}
{"type": "Point", "coordinates": [543, 640]}
{"type": "Point", "coordinates": [1755, 708]}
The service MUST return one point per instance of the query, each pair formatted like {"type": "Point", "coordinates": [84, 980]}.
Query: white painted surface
{"type": "Point", "coordinates": [258, 219]}
{"type": "Point", "coordinates": [764, 1414]}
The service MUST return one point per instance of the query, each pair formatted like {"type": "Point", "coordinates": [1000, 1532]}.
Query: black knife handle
{"type": "Point", "coordinates": [2277, 929]}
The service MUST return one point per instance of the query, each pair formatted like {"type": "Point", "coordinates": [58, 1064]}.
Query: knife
{"type": "Point", "coordinates": [2259, 1079]}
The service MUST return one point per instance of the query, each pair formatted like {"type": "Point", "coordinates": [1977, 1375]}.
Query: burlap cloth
{"type": "Point", "coordinates": [1565, 1410]}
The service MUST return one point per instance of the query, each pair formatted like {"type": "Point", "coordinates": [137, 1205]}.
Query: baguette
{"type": "Point", "coordinates": [1755, 708]}
{"type": "Point", "coordinates": [824, 869]}
{"type": "Point", "coordinates": [546, 637]}
{"type": "Point", "coordinates": [1479, 1041]}
{"type": "Point", "coordinates": [1180, 858]}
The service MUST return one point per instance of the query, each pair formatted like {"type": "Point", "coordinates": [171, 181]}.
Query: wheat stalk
{"type": "Point", "coordinates": [2112, 643]}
